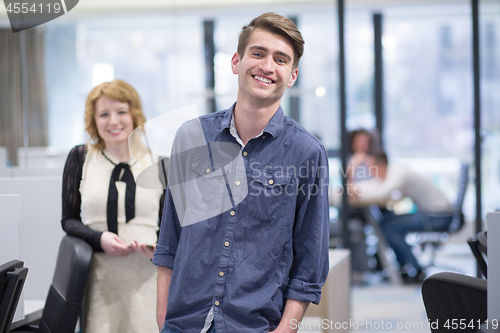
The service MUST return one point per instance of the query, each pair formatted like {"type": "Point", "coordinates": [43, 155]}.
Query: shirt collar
{"type": "Point", "coordinates": [274, 126]}
{"type": "Point", "coordinates": [234, 132]}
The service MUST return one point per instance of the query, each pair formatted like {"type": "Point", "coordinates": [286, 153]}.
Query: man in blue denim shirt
{"type": "Point", "coordinates": [243, 245]}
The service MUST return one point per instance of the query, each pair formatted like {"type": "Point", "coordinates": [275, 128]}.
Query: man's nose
{"type": "Point", "coordinates": [266, 64]}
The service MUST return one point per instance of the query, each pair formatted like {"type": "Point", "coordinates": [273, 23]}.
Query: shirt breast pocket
{"type": "Point", "coordinates": [273, 194]}
{"type": "Point", "coordinates": [210, 183]}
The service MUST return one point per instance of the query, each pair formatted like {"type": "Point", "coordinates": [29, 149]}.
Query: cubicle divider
{"type": "Point", "coordinates": [5, 172]}
{"type": "Point", "coordinates": [40, 229]}
{"type": "Point", "coordinates": [31, 172]}
{"type": "Point", "coordinates": [36, 172]}
{"type": "Point", "coordinates": [9, 238]}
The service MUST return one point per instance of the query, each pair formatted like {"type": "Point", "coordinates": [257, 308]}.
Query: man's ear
{"type": "Point", "coordinates": [234, 62]}
{"type": "Point", "coordinates": [293, 78]}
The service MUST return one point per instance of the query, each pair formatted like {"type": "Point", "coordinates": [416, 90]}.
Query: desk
{"type": "Point", "coordinates": [33, 312]}
{"type": "Point", "coordinates": [335, 296]}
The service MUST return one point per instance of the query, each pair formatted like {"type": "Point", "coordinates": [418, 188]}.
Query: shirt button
{"type": "Point", "coordinates": [271, 182]}
{"type": "Point", "coordinates": [226, 243]}
{"type": "Point", "coordinates": [221, 274]}
{"type": "Point", "coordinates": [263, 137]}
{"type": "Point", "coordinates": [238, 182]}
{"type": "Point", "coordinates": [216, 303]}
{"type": "Point", "coordinates": [208, 170]}
{"type": "Point", "coordinates": [245, 153]}
{"type": "Point", "coordinates": [233, 213]}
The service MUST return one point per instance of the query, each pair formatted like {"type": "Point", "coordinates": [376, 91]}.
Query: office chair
{"type": "Point", "coordinates": [454, 302]}
{"type": "Point", "coordinates": [12, 277]}
{"type": "Point", "coordinates": [479, 247]}
{"type": "Point", "coordinates": [436, 238]}
{"type": "Point", "coordinates": [64, 302]}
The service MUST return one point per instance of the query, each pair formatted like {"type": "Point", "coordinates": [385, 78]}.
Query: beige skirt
{"type": "Point", "coordinates": [121, 295]}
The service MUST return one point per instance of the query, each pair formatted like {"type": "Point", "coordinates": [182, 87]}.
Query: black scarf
{"type": "Point", "coordinates": [122, 169]}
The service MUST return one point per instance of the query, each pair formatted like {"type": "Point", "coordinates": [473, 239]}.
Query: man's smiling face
{"type": "Point", "coordinates": [265, 69]}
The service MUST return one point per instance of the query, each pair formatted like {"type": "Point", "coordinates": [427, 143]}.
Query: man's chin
{"type": "Point", "coordinates": [267, 94]}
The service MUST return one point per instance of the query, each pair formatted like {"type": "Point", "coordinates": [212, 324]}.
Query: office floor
{"type": "Point", "coordinates": [379, 306]}
{"type": "Point", "coordinates": [401, 308]}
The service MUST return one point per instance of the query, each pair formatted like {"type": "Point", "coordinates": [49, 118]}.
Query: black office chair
{"type": "Point", "coordinates": [12, 277]}
{"type": "Point", "coordinates": [454, 302]}
{"type": "Point", "coordinates": [436, 238]}
{"type": "Point", "coordinates": [479, 247]}
{"type": "Point", "coordinates": [64, 302]}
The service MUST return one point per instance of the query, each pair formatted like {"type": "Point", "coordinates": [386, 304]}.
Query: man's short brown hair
{"type": "Point", "coordinates": [275, 24]}
{"type": "Point", "coordinates": [380, 157]}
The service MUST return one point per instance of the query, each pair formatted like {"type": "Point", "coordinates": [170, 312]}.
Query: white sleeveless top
{"type": "Point", "coordinates": [94, 188]}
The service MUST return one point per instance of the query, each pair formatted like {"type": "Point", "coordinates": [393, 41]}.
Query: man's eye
{"type": "Point", "coordinates": [281, 61]}
{"type": "Point", "coordinates": [257, 54]}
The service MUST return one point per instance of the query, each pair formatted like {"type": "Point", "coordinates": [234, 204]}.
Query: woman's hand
{"type": "Point", "coordinates": [146, 250]}
{"type": "Point", "coordinates": [114, 245]}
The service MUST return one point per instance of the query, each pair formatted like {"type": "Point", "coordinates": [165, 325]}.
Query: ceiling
{"type": "Point", "coordinates": [89, 7]}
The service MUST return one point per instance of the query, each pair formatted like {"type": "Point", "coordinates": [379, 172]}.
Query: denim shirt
{"type": "Point", "coordinates": [272, 245]}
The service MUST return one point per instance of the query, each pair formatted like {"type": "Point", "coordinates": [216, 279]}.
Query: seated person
{"type": "Point", "coordinates": [362, 144]}
{"type": "Point", "coordinates": [390, 182]}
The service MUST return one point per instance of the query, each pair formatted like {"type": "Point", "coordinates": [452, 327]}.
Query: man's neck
{"type": "Point", "coordinates": [250, 120]}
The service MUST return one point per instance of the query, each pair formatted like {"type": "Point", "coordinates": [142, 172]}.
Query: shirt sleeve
{"type": "Point", "coordinates": [170, 231]}
{"type": "Point", "coordinates": [71, 200]}
{"type": "Point", "coordinates": [374, 191]}
{"type": "Point", "coordinates": [170, 228]}
{"type": "Point", "coordinates": [311, 232]}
